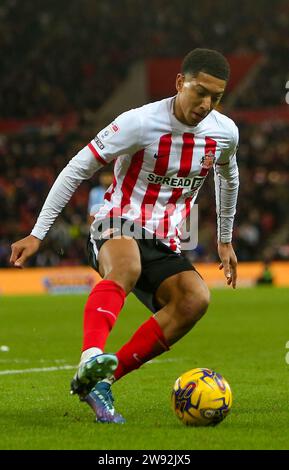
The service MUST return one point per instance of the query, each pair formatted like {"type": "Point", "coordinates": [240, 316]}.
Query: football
{"type": "Point", "coordinates": [201, 397]}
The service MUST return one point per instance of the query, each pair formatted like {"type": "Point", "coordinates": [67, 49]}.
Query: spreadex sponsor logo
{"type": "Point", "coordinates": [177, 182]}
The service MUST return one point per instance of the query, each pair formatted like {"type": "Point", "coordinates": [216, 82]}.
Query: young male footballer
{"type": "Point", "coordinates": [163, 152]}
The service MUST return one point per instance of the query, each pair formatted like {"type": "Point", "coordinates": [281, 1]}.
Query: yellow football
{"type": "Point", "coordinates": [201, 397]}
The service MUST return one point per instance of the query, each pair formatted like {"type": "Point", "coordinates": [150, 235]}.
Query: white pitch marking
{"type": "Point", "coordinates": [161, 361]}
{"type": "Point", "coordinates": [29, 361]}
{"type": "Point", "coordinates": [38, 369]}
{"type": "Point", "coordinates": [68, 367]}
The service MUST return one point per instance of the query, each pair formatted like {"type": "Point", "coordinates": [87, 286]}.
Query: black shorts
{"type": "Point", "coordinates": [158, 262]}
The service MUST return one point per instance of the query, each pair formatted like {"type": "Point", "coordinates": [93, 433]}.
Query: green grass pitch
{"type": "Point", "coordinates": [243, 336]}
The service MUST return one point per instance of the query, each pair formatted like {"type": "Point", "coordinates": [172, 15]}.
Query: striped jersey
{"type": "Point", "coordinates": [160, 166]}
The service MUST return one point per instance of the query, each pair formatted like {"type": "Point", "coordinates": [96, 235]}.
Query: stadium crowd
{"type": "Point", "coordinates": [57, 59]}
{"type": "Point", "coordinates": [31, 162]}
{"type": "Point", "coordinates": [53, 65]}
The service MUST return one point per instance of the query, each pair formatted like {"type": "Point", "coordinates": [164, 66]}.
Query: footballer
{"type": "Point", "coordinates": [163, 152]}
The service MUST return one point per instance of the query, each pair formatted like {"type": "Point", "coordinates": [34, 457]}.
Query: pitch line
{"type": "Point", "coordinates": [29, 361]}
{"type": "Point", "coordinates": [36, 369]}
{"type": "Point", "coordinates": [69, 367]}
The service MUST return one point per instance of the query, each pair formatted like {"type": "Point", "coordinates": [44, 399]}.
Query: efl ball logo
{"type": "Point", "coordinates": [108, 131]}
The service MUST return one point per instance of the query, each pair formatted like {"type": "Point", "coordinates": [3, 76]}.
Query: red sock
{"type": "Point", "coordinates": [147, 342]}
{"type": "Point", "coordinates": [101, 310]}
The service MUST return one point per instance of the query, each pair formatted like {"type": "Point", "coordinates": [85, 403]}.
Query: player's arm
{"type": "Point", "coordinates": [226, 190]}
{"type": "Point", "coordinates": [118, 138]}
{"type": "Point", "coordinates": [80, 167]}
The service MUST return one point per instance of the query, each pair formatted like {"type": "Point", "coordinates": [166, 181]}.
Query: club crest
{"type": "Point", "coordinates": [208, 160]}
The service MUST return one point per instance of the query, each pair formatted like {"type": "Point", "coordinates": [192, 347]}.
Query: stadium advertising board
{"type": "Point", "coordinates": [81, 279]}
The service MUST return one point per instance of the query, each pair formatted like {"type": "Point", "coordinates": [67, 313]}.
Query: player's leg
{"type": "Point", "coordinates": [119, 264]}
{"type": "Point", "coordinates": [120, 267]}
{"type": "Point", "coordinates": [185, 299]}
{"type": "Point", "coordinates": [150, 339]}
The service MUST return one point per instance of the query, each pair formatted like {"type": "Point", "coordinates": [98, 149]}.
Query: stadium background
{"type": "Point", "coordinates": [67, 72]}
{"type": "Point", "coordinates": [66, 69]}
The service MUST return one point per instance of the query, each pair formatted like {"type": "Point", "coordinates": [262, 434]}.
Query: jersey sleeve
{"type": "Point", "coordinates": [82, 166]}
{"type": "Point", "coordinates": [226, 188]}
{"type": "Point", "coordinates": [121, 137]}
{"type": "Point", "coordinates": [230, 147]}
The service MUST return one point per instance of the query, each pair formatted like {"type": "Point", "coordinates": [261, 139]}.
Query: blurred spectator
{"type": "Point", "coordinates": [266, 277]}
{"type": "Point", "coordinates": [96, 194]}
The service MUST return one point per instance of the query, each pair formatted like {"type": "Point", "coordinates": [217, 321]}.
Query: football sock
{"type": "Point", "coordinates": [147, 343]}
{"type": "Point", "coordinates": [101, 310]}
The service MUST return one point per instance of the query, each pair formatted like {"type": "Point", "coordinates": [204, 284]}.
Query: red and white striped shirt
{"type": "Point", "coordinates": [160, 165]}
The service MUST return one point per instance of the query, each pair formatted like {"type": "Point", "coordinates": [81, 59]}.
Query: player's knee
{"type": "Point", "coordinates": [126, 273]}
{"type": "Point", "coordinates": [193, 306]}
{"type": "Point", "coordinates": [133, 273]}
{"type": "Point", "coordinates": [202, 303]}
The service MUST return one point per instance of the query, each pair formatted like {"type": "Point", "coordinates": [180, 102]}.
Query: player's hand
{"type": "Point", "coordinates": [23, 249]}
{"type": "Point", "coordinates": [228, 262]}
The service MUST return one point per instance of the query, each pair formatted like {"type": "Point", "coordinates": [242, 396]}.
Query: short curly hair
{"type": "Point", "coordinates": [207, 61]}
